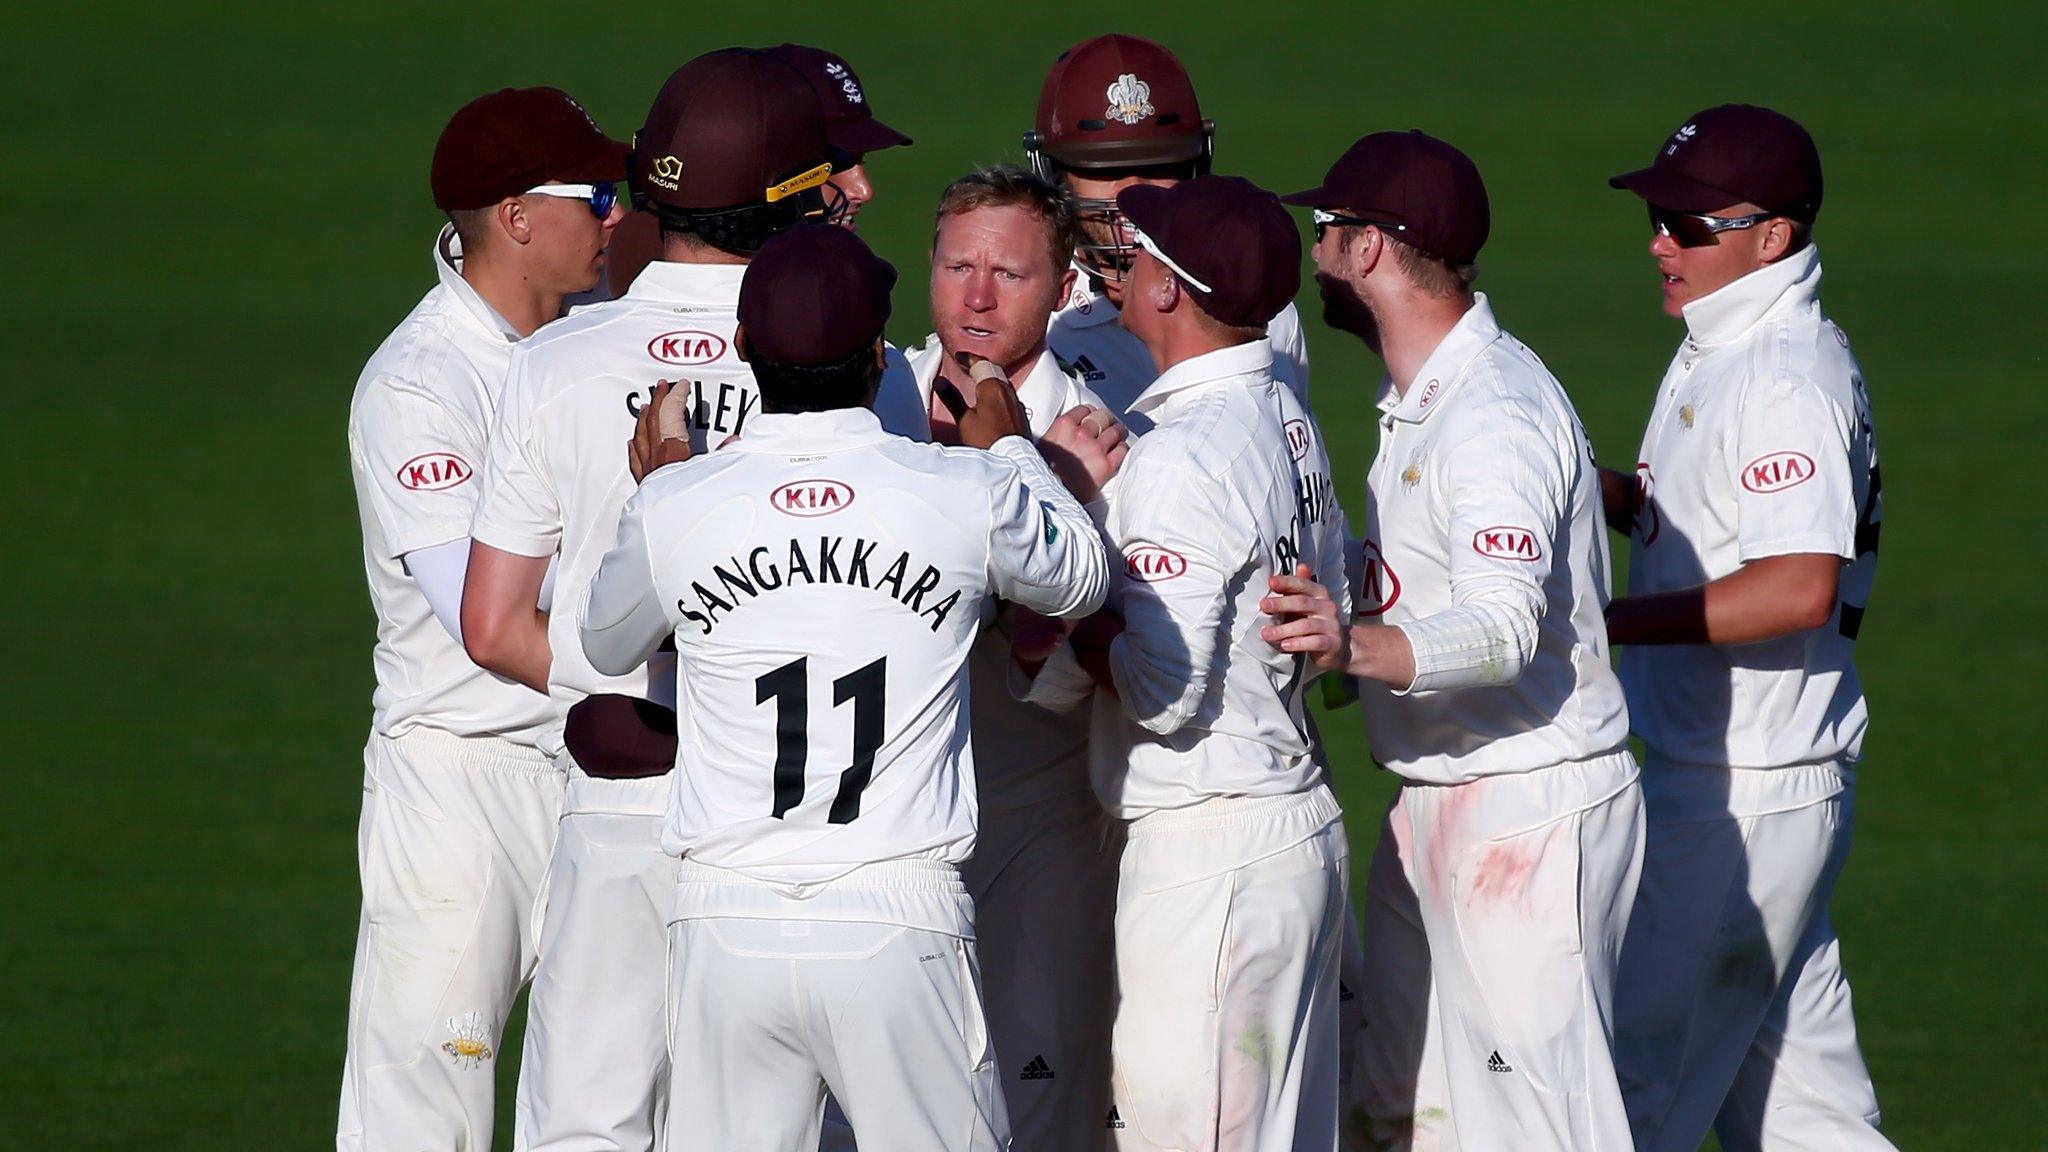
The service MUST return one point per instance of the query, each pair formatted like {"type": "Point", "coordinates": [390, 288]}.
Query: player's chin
{"type": "Point", "coordinates": [993, 343]}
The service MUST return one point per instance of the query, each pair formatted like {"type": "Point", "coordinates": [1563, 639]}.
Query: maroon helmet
{"type": "Point", "coordinates": [1111, 105]}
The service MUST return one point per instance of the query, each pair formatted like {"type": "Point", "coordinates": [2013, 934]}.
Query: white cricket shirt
{"type": "Point", "coordinates": [557, 475]}
{"type": "Point", "coordinates": [1484, 541]}
{"type": "Point", "coordinates": [1023, 753]}
{"type": "Point", "coordinates": [1105, 356]}
{"type": "Point", "coordinates": [824, 580]}
{"type": "Point", "coordinates": [1231, 485]}
{"type": "Point", "coordinates": [417, 427]}
{"type": "Point", "coordinates": [1760, 445]}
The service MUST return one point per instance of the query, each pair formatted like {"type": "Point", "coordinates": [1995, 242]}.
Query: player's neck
{"type": "Point", "coordinates": [686, 249]}
{"type": "Point", "coordinates": [1183, 342]}
{"type": "Point", "coordinates": [512, 294]}
{"type": "Point", "coordinates": [1410, 333]}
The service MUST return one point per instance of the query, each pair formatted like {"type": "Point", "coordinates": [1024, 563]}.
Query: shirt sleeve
{"type": "Point", "coordinates": [1794, 488]}
{"type": "Point", "coordinates": [621, 620]}
{"type": "Point", "coordinates": [517, 510]}
{"type": "Point", "coordinates": [1505, 494]}
{"type": "Point", "coordinates": [419, 458]}
{"type": "Point", "coordinates": [1181, 553]}
{"type": "Point", "coordinates": [1044, 552]}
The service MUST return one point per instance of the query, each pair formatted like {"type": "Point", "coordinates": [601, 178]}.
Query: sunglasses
{"type": "Point", "coordinates": [601, 196]}
{"type": "Point", "coordinates": [1323, 220]}
{"type": "Point", "coordinates": [1695, 231]}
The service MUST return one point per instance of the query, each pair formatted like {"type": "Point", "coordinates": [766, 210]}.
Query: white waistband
{"type": "Point", "coordinates": [494, 753]}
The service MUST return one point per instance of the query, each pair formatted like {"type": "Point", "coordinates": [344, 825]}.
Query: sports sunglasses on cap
{"type": "Point", "coordinates": [1323, 220]}
{"type": "Point", "coordinates": [1692, 230]}
{"type": "Point", "coordinates": [600, 196]}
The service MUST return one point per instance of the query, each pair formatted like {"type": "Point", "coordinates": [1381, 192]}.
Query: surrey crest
{"type": "Point", "coordinates": [1130, 99]}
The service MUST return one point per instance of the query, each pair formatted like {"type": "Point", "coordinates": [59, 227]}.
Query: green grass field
{"type": "Point", "coordinates": [212, 219]}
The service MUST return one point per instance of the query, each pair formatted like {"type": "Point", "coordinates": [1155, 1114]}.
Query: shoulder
{"type": "Point", "coordinates": [572, 335]}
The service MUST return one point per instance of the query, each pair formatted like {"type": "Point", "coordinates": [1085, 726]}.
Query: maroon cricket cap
{"type": "Point", "coordinates": [1417, 188]}
{"type": "Point", "coordinates": [1233, 236]}
{"type": "Point", "coordinates": [1119, 101]}
{"type": "Point", "coordinates": [726, 128]}
{"type": "Point", "coordinates": [513, 139]}
{"type": "Point", "coordinates": [814, 295]}
{"type": "Point", "coordinates": [1731, 154]}
{"type": "Point", "coordinates": [849, 121]}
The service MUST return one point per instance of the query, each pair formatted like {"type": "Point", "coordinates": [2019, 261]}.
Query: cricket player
{"type": "Point", "coordinates": [1499, 893]}
{"type": "Point", "coordinates": [459, 801]}
{"type": "Point", "coordinates": [850, 124]}
{"type": "Point", "coordinates": [1043, 874]}
{"type": "Point", "coordinates": [1231, 889]}
{"type": "Point", "coordinates": [823, 581]}
{"type": "Point", "coordinates": [1116, 111]}
{"type": "Point", "coordinates": [733, 151]}
{"type": "Point", "coordinates": [1753, 518]}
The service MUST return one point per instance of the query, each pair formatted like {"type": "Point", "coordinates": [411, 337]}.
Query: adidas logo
{"type": "Point", "coordinates": [1089, 371]}
{"type": "Point", "coordinates": [1114, 1121]}
{"type": "Point", "coordinates": [1495, 1064]}
{"type": "Point", "coordinates": [1344, 993]}
{"type": "Point", "coordinates": [1037, 1069]}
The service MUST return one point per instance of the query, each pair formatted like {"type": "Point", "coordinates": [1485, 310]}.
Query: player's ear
{"type": "Point", "coordinates": [1066, 286]}
{"type": "Point", "coordinates": [511, 219]}
{"type": "Point", "coordinates": [739, 342]}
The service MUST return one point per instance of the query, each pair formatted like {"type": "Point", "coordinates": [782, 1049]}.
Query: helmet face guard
{"type": "Point", "coordinates": [1107, 248]}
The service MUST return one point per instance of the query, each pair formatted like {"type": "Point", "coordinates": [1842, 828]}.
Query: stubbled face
{"type": "Point", "coordinates": [1110, 228]}
{"type": "Point", "coordinates": [1689, 273]}
{"type": "Point", "coordinates": [994, 286]}
{"type": "Point", "coordinates": [567, 244]}
{"type": "Point", "coordinates": [1338, 256]}
{"type": "Point", "coordinates": [855, 188]}
{"type": "Point", "coordinates": [1144, 283]}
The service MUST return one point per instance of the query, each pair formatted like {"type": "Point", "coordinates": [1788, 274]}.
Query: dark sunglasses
{"type": "Point", "coordinates": [601, 196]}
{"type": "Point", "coordinates": [1691, 230]}
{"type": "Point", "coordinates": [1323, 220]}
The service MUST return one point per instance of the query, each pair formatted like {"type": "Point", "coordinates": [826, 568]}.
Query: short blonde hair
{"type": "Point", "coordinates": [1007, 186]}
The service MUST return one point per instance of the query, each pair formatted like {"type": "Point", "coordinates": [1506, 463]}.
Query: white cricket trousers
{"type": "Point", "coordinates": [1734, 1010]}
{"type": "Point", "coordinates": [1043, 878]}
{"type": "Point", "coordinates": [593, 1074]}
{"type": "Point", "coordinates": [1228, 921]}
{"type": "Point", "coordinates": [1494, 917]}
{"type": "Point", "coordinates": [770, 1009]}
{"type": "Point", "coordinates": [453, 842]}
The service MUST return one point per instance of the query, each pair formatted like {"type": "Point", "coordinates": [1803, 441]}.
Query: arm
{"type": "Point", "coordinates": [621, 620]}
{"type": "Point", "coordinates": [1181, 552]}
{"type": "Point", "coordinates": [1762, 600]}
{"type": "Point", "coordinates": [1618, 495]}
{"type": "Point", "coordinates": [501, 628]}
{"type": "Point", "coordinates": [1044, 552]}
{"type": "Point", "coordinates": [1795, 525]}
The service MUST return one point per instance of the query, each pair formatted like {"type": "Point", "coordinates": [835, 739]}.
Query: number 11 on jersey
{"type": "Point", "coordinates": [789, 687]}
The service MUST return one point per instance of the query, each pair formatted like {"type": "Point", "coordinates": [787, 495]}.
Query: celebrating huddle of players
{"type": "Point", "coordinates": [911, 749]}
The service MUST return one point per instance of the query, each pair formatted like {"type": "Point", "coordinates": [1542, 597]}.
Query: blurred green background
{"type": "Point", "coordinates": [214, 213]}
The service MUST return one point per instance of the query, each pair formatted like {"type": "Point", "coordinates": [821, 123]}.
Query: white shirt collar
{"type": "Point", "coordinates": [671, 282]}
{"type": "Point", "coordinates": [1253, 357]}
{"type": "Point", "coordinates": [448, 266]}
{"type": "Point", "coordinates": [1725, 314]}
{"type": "Point", "coordinates": [1474, 332]}
{"type": "Point", "coordinates": [1041, 390]}
{"type": "Point", "coordinates": [798, 433]}
{"type": "Point", "coordinates": [1085, 306]}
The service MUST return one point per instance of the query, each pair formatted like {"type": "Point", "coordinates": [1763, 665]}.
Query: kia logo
{"type": "Point", "coordinates": [434, 471]}
{"type": "Point", "coordinates": [686, 347]}
{"type": "Point", "coordinates": [1378, 587]}
{"type": "Point", "coordinates": [1297, 439]}
{"type": "Point", "coordinates": [1777, 472]}
{"type": "Point", "coordinates": [1150, 563]}
{"type": "Point", "coordinates": [811, 497]}
{"type": "Point", "coordinates": [1506, 543]}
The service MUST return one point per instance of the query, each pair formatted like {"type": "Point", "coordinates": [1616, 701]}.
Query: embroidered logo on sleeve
{"type": "Point", "coordinates": [1776, 472]}
{"type": "Point", "coordinates": [1297, 438]}
{"type": "Point", "coordinates": [434, 472]}
{"type": "Point", "coordinates": [1504, 542]}
{"type": "Point", "coordinates": [1378, 587]}
{"type": "Point", "coordinates": [1149, 564]}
